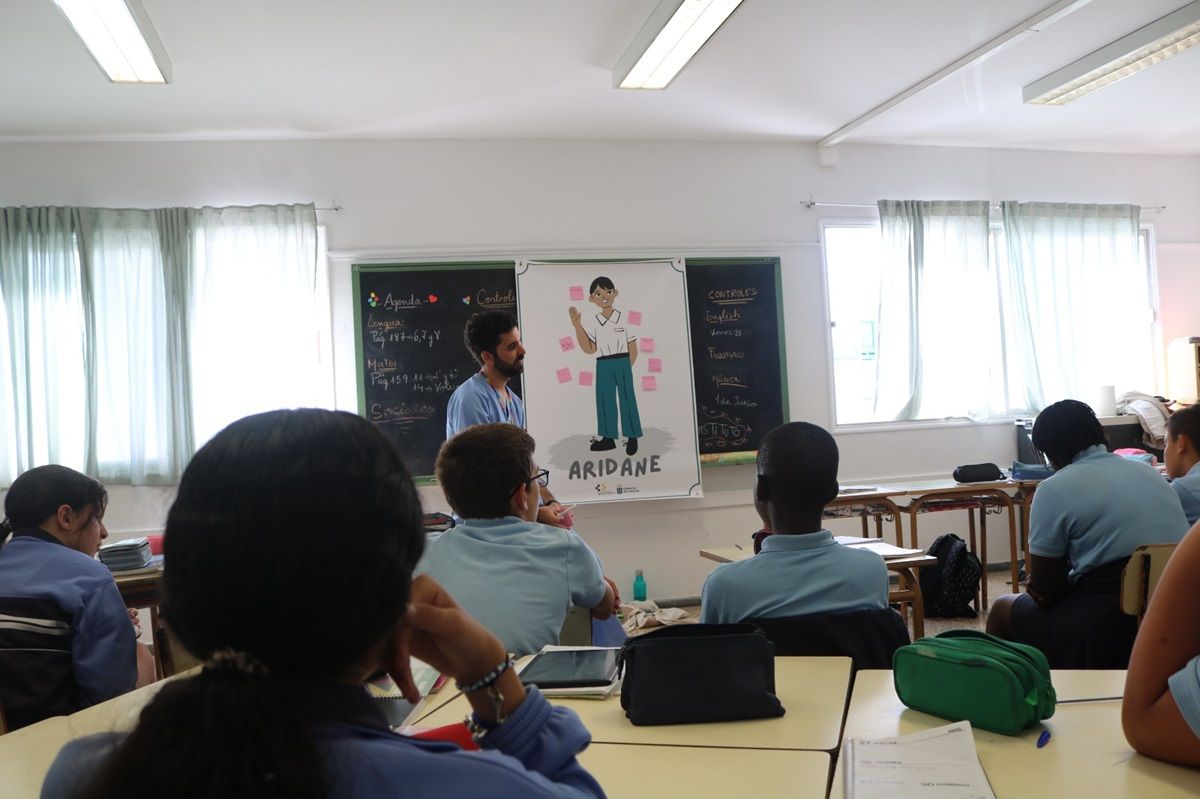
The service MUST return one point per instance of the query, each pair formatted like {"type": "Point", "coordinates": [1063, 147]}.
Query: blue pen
{"type": "Point", "coordinates": [1043, 739]}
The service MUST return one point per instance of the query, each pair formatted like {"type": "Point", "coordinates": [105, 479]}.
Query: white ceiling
{"type": "Point", "coordinates": [784, 70]}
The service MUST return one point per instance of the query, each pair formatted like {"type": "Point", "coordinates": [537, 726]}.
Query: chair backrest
{"type": "Point", "coordinates": [869, 637]}
{"type": "Point", "coordinates": [1141, 576]}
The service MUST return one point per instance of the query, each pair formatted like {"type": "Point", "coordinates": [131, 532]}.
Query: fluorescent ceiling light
{"type": "Point", "coordinates": [668, 40]}
{"type": "Point", "coordinates": [120, 37]}
{"type": "Point", "coordinates": [1145, 47]}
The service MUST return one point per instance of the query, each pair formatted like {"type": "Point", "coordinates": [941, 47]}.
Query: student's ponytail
{"type": "Point", "coordinates": [231, 731]}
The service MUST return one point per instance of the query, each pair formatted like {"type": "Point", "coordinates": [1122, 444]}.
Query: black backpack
{"type": "Point", "coordinates": [949, 588]}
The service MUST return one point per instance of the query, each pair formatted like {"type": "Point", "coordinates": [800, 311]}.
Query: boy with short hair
{"type": "Point", "coordinates": [516, 576]}
{"type": "Point", "coordinates": [801, 570]}
{"type": "Point", "coordinates": [1183, 459]}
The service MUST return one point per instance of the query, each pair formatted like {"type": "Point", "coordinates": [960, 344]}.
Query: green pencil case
{"type": "Point", "coordinates": [995, 684]}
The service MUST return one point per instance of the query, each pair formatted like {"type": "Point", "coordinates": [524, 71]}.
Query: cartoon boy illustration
{"type": "Point", "coordinates": [616, 351]}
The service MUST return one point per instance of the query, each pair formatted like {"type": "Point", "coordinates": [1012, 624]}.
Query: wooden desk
{"type": "Point", "coordinates": [644, 772]}
{"type": "Point", "coordinates": [1087, 755]}
{"type": "Point", "coordinates": [813, 692]}
{"type": "Point", "coordinates": [876, 504]}
{"type": "Point", "coordinates": [908, 588]}
{"type": "Point", "coordinates": [929, 494]}
{"type": "Point", "coordinates": [142, 588]}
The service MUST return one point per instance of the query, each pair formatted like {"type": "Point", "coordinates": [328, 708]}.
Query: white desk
{"type": "Point", "coordinates": [1086, 757]}
{"type": "Point", "coordinates": [813, 692]}
{"type": "Point", "coordinates": [646, 772]}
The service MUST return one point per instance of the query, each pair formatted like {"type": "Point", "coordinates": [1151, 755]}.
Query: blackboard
{"type": "Point", "coordinates": [409, 321]}
{"type": "Point", "coordinates": [737, 353]}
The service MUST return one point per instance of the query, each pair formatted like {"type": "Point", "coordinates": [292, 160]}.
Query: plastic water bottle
{"type": "Point", "coordinates": [639, 586]}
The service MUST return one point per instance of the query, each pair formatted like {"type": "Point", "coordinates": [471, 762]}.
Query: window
{"type": "Point", "coordinates": [1102, 334]}
{"type": "Point", "coordinates": [131, 336]}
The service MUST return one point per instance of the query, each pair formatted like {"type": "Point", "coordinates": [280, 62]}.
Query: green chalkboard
{"type": "Point", "coordinates": [409, 321]}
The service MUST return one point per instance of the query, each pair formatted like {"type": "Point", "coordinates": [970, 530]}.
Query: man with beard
{"type": "Point", "coordinates": [494, 341]}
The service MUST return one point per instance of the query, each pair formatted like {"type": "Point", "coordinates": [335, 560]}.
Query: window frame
{"type": "Point", "coordinates": [1147, 241]}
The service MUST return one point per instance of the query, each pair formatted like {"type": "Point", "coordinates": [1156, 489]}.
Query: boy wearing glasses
{"type": "Point", "coordinates": [518, 577]}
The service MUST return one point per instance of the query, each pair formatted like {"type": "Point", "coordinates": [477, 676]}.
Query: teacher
{"type": "Point", "coordinates": [494, 341]}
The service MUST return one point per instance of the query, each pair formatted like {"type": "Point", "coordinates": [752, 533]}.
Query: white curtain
{"type": "Point", "coordinates": [1076, 300]}
{"type": "Point", "coordinates": [255, 336]}
{"type": "Point", "coordinates": [43, 340]}
{"type": "Point", "coordinates": [939, 347]}
{"type": "Point", "coordinates": [129, 337]}
{"type": "Point", "coordinates": [141, 428]}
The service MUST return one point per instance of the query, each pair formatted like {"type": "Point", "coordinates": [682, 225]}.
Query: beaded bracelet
{"type": "Point", "coordinates": [486, 680]}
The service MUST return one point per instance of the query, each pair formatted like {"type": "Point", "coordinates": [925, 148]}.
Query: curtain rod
{"type": "Point", "coordinates": [333, 209]}
{"type": "Point", "coordinates": [995, 206]}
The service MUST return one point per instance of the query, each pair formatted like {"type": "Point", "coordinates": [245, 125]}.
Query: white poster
{"type": "Point", "coordinates": [608, 380]}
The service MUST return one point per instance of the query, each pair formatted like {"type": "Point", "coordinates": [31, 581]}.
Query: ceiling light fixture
{"type": "Point", "coordinates": [120, 38]}
{"type": "Point", "coordinates": [674, 33]}
{"type": "Point", "coordinates": [1145, 47]}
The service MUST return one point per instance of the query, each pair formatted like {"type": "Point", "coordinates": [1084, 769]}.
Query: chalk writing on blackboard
{"type": "Point", "coordinates": [736, 352]}
{"type": "Point", "coordinates": [412, 358]}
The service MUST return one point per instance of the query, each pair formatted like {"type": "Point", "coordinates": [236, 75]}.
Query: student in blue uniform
{"type": "Point", "coordinates": [517, 576]}
{"type": "Point", "coordinates": [1183, 459]}
{"type": "Point", "coordinates": [289, 556]}
{"type": "Point", "coordinates": [1086, 520]}
{"type": "Point", "coordinates": [494, 341]}
{"type": "Point", "coordinates": [800, 570]}
{"type": "Point", "coordinates": [67, 640]}
{"type": "Point", "coordinates": [1161, 709]}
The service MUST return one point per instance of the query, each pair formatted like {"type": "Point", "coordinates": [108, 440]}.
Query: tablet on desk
{"type": "Point", "coordinates": [572, 668]}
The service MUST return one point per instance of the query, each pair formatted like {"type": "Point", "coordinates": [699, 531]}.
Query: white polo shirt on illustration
{"type": "Point", "coordinates": [609, 335]}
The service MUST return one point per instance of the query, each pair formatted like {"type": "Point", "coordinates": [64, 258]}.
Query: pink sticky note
{"type": "Point", "coordinates": [655, 364]}
{"type": "Point", "coordinates": [567, 343]}
{"type": "Point", "coordinates": [635, 317]}
{"type": "Point", "coordinates": [576, 293]}
{"type": "Point", "coordinates": [585, 378]}
{"type": "Point", "coordinates": [646, 344]}
{"type": "Point", "coordinates": [649, 383]}
{"type": "Point", "coordinates": [564, 375]}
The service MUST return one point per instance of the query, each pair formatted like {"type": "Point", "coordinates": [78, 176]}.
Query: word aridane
{"type": "Point", "coordinates": [602, 467]}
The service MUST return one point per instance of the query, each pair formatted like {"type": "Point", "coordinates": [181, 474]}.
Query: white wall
{"type": "Point", "coordinates": [430, 199]}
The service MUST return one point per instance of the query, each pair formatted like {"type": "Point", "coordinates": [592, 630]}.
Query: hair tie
{"type": "Point", "coordinates": [232, 661]}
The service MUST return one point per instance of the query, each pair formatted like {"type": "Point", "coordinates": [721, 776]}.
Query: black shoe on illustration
{"type": "Point", "coordinates": [631, 446]}
{"type": "Point", "coordinates": [602, 444]}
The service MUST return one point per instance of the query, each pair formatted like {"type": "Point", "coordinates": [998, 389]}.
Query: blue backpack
{"type": "Point", "coordinates": [949, 588]}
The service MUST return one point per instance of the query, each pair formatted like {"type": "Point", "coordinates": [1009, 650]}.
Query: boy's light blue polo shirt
{"type": "Point", "coordinates": [518, 578]}
{"type": "Point", "coordinates": [1099, 508]}
{"type": "Point", "coordinates": [795, 575]}
{"type": "Point", "coordinates": [476, 402]}
{"type": "Point", "coordinates": [1188, 489]}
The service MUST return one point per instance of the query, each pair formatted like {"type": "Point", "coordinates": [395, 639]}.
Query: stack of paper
{"type": "Point", "coordinates": [880, 547]}
{"type": "Point", "coordinates": [133, 553]}
{"type": "Point", "coordinates": [940, 764]}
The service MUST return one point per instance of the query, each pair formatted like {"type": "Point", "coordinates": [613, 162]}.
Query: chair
{"type": "Point", "coordinates": [1141, 575]}
{"type": "Point", "coordinates": [171, 655]}
{"type": "Point", "coordinates": [868, 637]}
